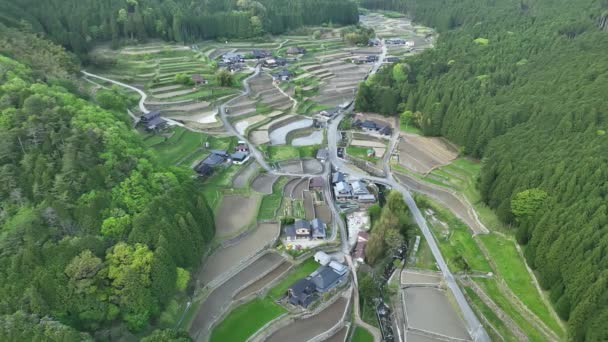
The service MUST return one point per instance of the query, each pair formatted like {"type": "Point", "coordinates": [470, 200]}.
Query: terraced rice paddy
{"type": "Point", "coordinates": [227, 222]}
{"type": "Point", "coordinates": [278, 136]}
{"type": "Point", "coordinates": [422, 154]}
{"type": "Point", "coordinates": [314, 138]}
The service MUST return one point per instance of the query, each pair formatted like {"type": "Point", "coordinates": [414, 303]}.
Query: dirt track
{"type": "Point", "coordinates": [422, 154]}
{"type": "Point", "coordinates": [454, 203]}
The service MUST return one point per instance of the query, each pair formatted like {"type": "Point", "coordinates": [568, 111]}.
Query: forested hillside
{"type": "Point", "coordinates": [93, 233]}
{"type": "Point", "coordinates": [78, 24]}
{"type": "Point", "coordinates": [523, 85]}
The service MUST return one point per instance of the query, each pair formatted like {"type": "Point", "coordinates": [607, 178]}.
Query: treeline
{"type": "Point", "coordinates": [523, 84]}
{"type": "Point", "coordinates": [78, 24]}
{"type": "Point", "coordinates": [94, 234]}
{"type": "Point", "coordinates": [385, 5]}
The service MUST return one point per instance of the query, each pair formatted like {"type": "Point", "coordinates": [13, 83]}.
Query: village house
{"type": "Point", "coordinates": [323, 279]}
{"type": "Point", "coordinates": [410, 43]}
{"type": "Point", "coordinates": [198, 79]}
{"type": "Point", "coordinates": [395, 41]}
{"type": "Point", "coordinates": [359, 188]}
{"type": "Point", "coordinates": [374, 127]}
{"type": "Point", "coordinates": [259, 54]}
{"type": "Point", "coordinates": [359, 253]}
{"type": "Point", "coordinates": [215, 158]}
{"type": "Point", "coordinates": [283, 75]}
{"type": "Point", "coordinates": [152, 121]}
{"type": "Point", "coordinates": [295, 50]}
{"type": "Point", "coordinates": [342, 190]}
{"type": "Point", "coordinates": [322, 154]}
{"type": "Point", "coordinates": [369, 198]}
{"type": "Point", "coordinates": [337, 177]}
{"type": "Point", "coordinates": [302, 229]}
{"type": "Point", "coordinates": [301, 293]}
{"type": "Point", "coordinates": [231, 58]}
{"type": "Point", "coordinates": [241, 147]}
{"type": "Point", "coordinates": [330, 112]}
{"type": "Point", "coordinates": [391, 59]}
{"type": "Point", "coordinates": [239, 158]}
{"type": "Point", "coordinates": [373, 42]}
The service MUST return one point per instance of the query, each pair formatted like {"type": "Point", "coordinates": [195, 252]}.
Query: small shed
{"type": "Point", "coordinates": [322, 258]}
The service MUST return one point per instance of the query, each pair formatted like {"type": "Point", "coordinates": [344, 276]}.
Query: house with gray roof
{"type": "Point", "coordinates": [342, 190]}
{"type": "Point", "coordinates": [337, 177]}
{"type": "Point", "coordinates": [302, 292]}
{"type": "Point", "coordinates": [317, 228]}
{"type": "Point", "coordinates": [326, 278]}
{"type": "Point", "coordinates": [359, 188]}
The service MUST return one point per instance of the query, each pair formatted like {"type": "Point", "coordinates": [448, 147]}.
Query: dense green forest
{"type": "Point", "coordinates": [78, 24]}
{"type": "Point", "coordinates": [524, 86]}
{"type": "Point", "coordinates": [93, 232]}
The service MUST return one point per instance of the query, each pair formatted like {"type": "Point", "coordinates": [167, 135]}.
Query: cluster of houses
{"type": "Point", "coordinates": [399, 41]}
{"type": "Point", "coordinates": [232, 61]}
{"type": "Point", "coordinates": [325, 278]}
{"type": "Point", "coordinates": [372, 126]}
{"type": "Point", "coordinates": [302, 229]}
{"type": "Point", "coordinates": [355, 190]}
{"type": "Point", "coordinates": [365, 59]}
{"type": "Point", "coordinates": [218, 157]}
{"type": "Point", "coordinates": [152, 121]}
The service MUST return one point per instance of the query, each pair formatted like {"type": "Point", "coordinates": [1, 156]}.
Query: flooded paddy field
{"type": "Point", "coordinates": [415, 277]}
{"type": "Point", "coordinates": [314, 138]}
{"type": "Point", "coordinates": [305, 329]}
{"type": "Point", "coordinates": [226, 258]}
{"type": "Point", "coordinates": [429, 309]}
{"type": "Point", "coordinates": [263, 183]}
{"type": "Point", "coordinates": [312, 166]}
{"type": "Point", "coordinates": [278, 136]}
{"type": "Point", "coordinates": [226, 222]}
{"type": "Point", "coordinates": [264, 281]}
{"type": "Point", "coordinates": [242, 179]}
{"type": "Point", "coordinates": [219, 299]}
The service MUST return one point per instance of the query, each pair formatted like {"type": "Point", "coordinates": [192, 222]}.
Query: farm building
{"type": "Point", "coordinates": [316, 183]}
{"type": "Point", "coordinates": [198, 79]}
{"type": "Point", "coordinates": [302, 292]}
{"type": "Point", "coordinates": [239, 158]}
{"type": "Point", "coordinates": [241, 147]}
{"type": "Point", "coordinates": [359, 253]}
{"type": "Point", "coordinates": [322, 258]}
{"type": "Point", "coordinates": [317, 228]}
{"type": "Point", "coordinates": [323, 279]}
{"type": "Point", "coordinates": [330, 113]}
{"type": "Point", "coordinates": [152, 121]}
{"type": "Point", "coordinates": [337, 177]}
{"type": "Point", "coordinates": [295, 50]}
{"type": "Point", "coordinates": [283, 75]}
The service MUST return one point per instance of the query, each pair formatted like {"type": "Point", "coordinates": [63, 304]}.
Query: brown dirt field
{"type": "Point", "coordinates": [263, 183]}
{"type": "Point", "coordinates": [312, 166]}
{"type": "Point", "coordinates": [422, 154]}
{"type": "Point", "coordinates": [226, 258]}
{"type": "Point", "coordinates": [308, 206]}
{"type": "Point", "coordinates": [324, 213]}
{"type": "Point", "coordinates": [293, 166]}
{"type": "Point", "coordinates": [289, 186]}
{"type": "Point", "coordinates": [173, 94]}
{"type": "Point", "coordinates": [227, 222]}
{"type": "Point", "coordinates": [242, 179]}
{"type": "Point", "coordinates": [259, 137]}
{"type": "Point", "coordinates": [305, 329]}
{"type": "Point", "coordinates": [455, 204]}
{"type": "Point", "coordinates": [264, 281]}
{"type": "Point", "coordinates": [367, 143]}
{"type": "Point", "coordinates": [298, 191]}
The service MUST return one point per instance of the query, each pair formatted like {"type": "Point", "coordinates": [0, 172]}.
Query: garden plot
{"type": "Point", "coordinates": [263, 183]}
{"type": "Point", "coordinates": [241, 180]}
{"type": "Point", "coordinates": [224, 259]}
{"type": "Point", "coordinates": [227, 222]}
{"type": "Point", "coordinates": [306, 329]}
{"type": "Point", "coordinates": [264, 281]}
{"type": "Point", "coordinates": [423, 154]}
{"type": "Point", "coordinates": [219, 299]}
{"type": "Point", "coordinates": [429, 309]}
{"type": "Point", "coordinates": [309, 207]}
{"type": "Point", "coordinates": [323, 212]}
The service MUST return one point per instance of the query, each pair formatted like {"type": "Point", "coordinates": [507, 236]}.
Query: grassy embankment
{"type": "Point", "coordinates": [461, 175]}
{"type": "Point", "coordinates": [360, 153]}
{"type": "Point", "coordinates": [271, 203]}
{"type": "Point", "coordinates": [362, 335]}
